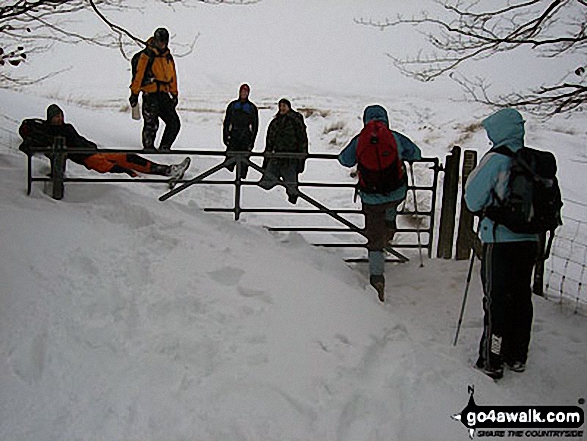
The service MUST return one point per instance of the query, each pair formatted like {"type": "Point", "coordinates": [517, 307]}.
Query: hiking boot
{"type": "Point", "coordinates": [516, 366]}
{"type": "Point", "coordinates": [378, 282]}
{"type": "Point", "coordinates": [491, 371]}
{"type": "Point", "coordinates": [177, 171]}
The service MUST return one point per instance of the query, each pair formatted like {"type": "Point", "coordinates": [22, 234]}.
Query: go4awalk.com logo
{"type": "Point", "coordinates": [522, 421]}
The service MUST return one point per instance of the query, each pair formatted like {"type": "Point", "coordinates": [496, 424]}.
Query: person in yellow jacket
{"type": "Point", "coordinates": [156, 78]}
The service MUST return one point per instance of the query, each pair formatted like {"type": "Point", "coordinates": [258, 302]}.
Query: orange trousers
{"type": "Point", "coordinates": [105, 162]}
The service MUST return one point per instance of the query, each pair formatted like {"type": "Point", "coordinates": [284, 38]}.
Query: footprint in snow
{"type": "Point", "coordinates": [228, 276]}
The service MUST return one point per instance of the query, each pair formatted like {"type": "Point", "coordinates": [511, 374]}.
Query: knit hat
{"type": "Point", "coordinates": [52, 111]}
{"type": "Point", "coordinates": [162, 35]}
{"type": "Point", "coordinates": [244, 86]}
{"type": "Point", "coordinates": [285, 101]}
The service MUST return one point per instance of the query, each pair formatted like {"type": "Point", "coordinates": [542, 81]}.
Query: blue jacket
{"type": "Point", "coordinates": [406, 148]}
{"type": "Point", "coordinates": [490, 177]}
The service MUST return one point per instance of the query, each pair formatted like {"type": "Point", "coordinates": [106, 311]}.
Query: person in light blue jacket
{"type": "Point", "coordinates": [380, 210]}
{"type": "Point", "coordinates": [508, 258]}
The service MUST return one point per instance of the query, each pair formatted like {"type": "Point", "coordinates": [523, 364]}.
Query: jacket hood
{"type": "Point", "coordinates": [505, 127]}
{"type": "Point", "coordinates": [375, 112]}
{"type": "Point", "coordinates": [151, 44]}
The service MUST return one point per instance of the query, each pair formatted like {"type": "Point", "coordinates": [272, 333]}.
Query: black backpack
{"type": "Point", "coordinates": [533, 201]}
{"type": "Point", "coordinates": [35, 135]}
{"type": "Point", "coordinates": [134, 62]}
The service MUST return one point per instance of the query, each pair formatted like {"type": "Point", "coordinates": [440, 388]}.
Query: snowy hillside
{"type": "Point", "coordinates": [125, 318]}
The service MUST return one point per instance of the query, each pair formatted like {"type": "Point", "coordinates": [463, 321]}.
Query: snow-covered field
{"type": "Point", "coordinates": [125, 318]}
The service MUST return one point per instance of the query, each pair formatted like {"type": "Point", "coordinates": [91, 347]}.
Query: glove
{"type": "Point", "coordinates": [174, 100]}
{"type": "Point", "coordinates": [133, 100]}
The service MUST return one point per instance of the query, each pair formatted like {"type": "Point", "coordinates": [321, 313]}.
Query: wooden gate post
{"type": "Point", "coordinates": [449, 204]}
{"type": "Point", "coordinates": [466, 217]}
{"type": "Point", "coordinates": [58, 159]}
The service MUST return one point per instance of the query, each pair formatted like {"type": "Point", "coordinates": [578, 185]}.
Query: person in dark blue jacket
{"type": "Point", "coordinates": [240, 127]}
{"type": "Point", "coordinates": [508, 258]}
{"type": "Point", "coordinates": [380, 210]}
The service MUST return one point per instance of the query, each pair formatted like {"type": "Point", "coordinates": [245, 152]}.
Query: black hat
{"type": "Point", "coordinates": [285, 101]}
{"type": "Point", "coordinates": [162, 35]}
{"type": "Point", "coordinates": [52, 111]}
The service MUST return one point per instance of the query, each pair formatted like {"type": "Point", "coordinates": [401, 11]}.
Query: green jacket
{"type": "Point", "coordinates": [287, 134]}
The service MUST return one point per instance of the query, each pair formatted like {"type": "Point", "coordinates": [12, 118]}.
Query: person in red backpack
{"type": "Point", "coordinates": [378, 153]}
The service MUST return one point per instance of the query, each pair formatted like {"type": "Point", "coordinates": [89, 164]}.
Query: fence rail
{"type": "Point", "coordinates": [565, 271]}
{"type": "Point", "coordinates": [237, 208]}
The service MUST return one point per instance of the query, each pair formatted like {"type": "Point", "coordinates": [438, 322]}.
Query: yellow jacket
{"type": "Point", "coordinates": [162, 76]}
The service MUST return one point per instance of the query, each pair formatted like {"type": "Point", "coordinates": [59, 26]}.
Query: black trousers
{"type": "Point", "coordinates": [506, 273]}
{"type": "Point", "coordinates": [241, 140]}
{"type": "Point", "coordinates": [159, 105]}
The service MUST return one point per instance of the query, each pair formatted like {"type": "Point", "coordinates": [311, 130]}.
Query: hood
{"type": "Point", "coordinates": [505, 127]}
{"type": "Point", "coordinates": [151, 45]}
{"type": "Point", "coordinates": [375, 112]}
{"type": "Point", "coordinates": [53, 110]}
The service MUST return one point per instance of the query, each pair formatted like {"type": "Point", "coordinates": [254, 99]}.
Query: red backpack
{"type": "Point", "coordinates": [379, 167]}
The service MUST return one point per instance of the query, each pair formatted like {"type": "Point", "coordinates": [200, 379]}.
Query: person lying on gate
{"type": "Point", "coordinates": [39, 134]}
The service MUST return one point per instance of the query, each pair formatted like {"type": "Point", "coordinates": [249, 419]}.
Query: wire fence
{"type": "Point", "coordinates": [565, 272]}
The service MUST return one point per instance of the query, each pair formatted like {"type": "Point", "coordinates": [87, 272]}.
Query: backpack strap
{"type": "Point", "coordinates": [148, 73]}
{"type": "Point", "coordinates": [503, 150]}
{"type": "Point", "coordinates": [148, 76]}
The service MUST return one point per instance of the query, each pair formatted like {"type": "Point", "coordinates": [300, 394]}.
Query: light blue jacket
{"type": "Point", "coordinates": [407, 151]}
{"type": "Point", "coordinates": [490, 177]}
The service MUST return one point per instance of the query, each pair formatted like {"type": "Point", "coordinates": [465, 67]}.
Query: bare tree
{"type": "Point", "coordinates": [33, 26]}
{"type": "Point", "coordinates": [550, 28]}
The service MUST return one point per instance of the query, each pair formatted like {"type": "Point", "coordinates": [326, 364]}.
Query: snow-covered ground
{"type": "Point", "coordinates": [125, 318]}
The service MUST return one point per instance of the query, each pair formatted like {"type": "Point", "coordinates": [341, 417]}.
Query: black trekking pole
{"type": "Point", "coordinates": [416, 210]}
{"type": "Point", "coordinates": [464, 299]}
{"type": "Point", "coordinates": [466, 290]}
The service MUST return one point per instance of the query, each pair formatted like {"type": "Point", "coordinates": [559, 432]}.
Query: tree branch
{"type": "Point", "coordinates": [550, 29]}
{"type": "Point", "coordinates": [119, 30]}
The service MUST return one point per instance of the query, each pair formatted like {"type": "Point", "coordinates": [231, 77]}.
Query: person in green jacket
{"type": "Point", "coordinates": [286, 134]}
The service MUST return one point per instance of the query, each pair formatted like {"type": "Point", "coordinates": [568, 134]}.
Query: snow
{"type": "Point", "coordinates": [125, 318]}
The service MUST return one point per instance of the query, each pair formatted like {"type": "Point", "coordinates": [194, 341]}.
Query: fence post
{"type": "Point", "coordinates": [237, 187]}
{"type": "Point", "coordinates": [29, 173]}
{"type": "Point", "coordinates": [466, 217]}
{"type": "Point", "coordinates": [58, 167]}
{"type": "Point", "coordinates": [436, 168]}
{"type": "Point", "coordinates": [449, 204]}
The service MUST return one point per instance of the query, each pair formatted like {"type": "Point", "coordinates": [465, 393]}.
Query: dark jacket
{"type": "Point", "coordinates": [287, 134]}
{"type": "Point", "coordinates": [41, 135]}
{"type": "Point", "coordinates": [241, 124]}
